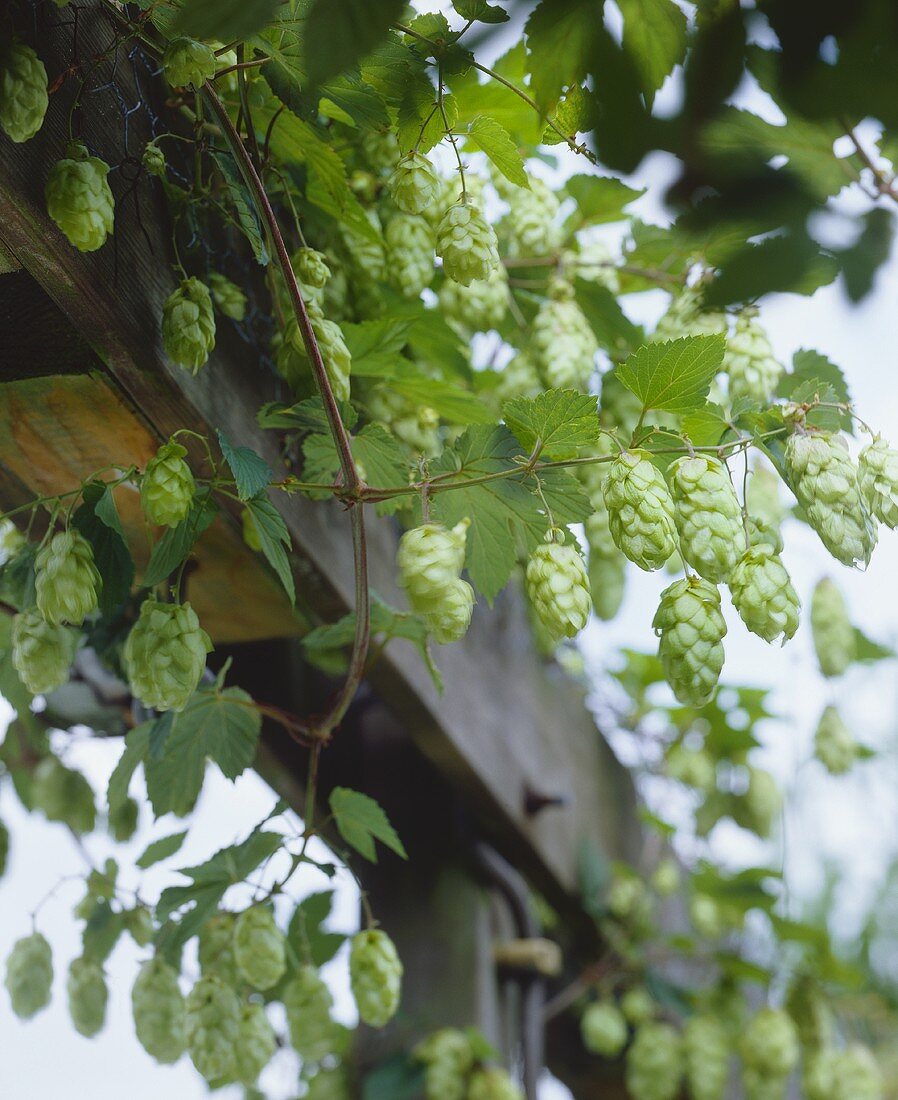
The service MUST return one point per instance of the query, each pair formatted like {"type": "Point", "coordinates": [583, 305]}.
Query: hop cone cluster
{"type": "Point", "coordinates": [259, 948]}
{"type": "Point", "coordinates": [158, 1008]}
{"type": "Point", "coordinates": [655, 1063]}
{"type": "Point", "coordinates": [23, 91]}
{"type": "Point", "coordinates": [414, 184]}
{"type": "Point", "coordinates": [558, 588]}
{"type": "Point", "coordinates": [79, 198]}
{"type": "Point", "coordinates": [66, 579]}
{"type": "Point", "coordinates": [493, 1083]}
{"type": "Point", "coordinates": [334, 352]}
{"type": "Point", "coordinates": [311, 268]}
{"type": "Point", "coordinates": [467, 244]}
{"type": "Point", "coordinates": [834, 746]}
{"type": "Point", "coordinates": [708, 516]}
{"type": "Point", "coordinates": [165, 654]}
{"type": "Point", "coordinates": [604, 1029]}
{"type": "Point", "coordinates": [706, 1051]}
{"type": "Point", "coordinates": [216, 948]}
{"type": "Point", "coordinates": [564, 344]}
{"type": "Point", "coordinates": [29, 975]}
{"type": "Point", "coordinates": [640, 510]}
{"type": "Point", "coordinates": [750, 363]}
{"type": "Point", "coordinates": [686, 317]}
{"type": "Point", "coordinates": [878, 480]}
{"type": "Point", "coordinates": [187, 61]}
{"type": "Point", "coordinates": [42, 653]}
{"type": "Point", "coordinates": [769, 1044]}
{"type": "Point", "coordinates": [763, 594]}
{"type": "Point", "coordinates": [448, 1060]}
{"type": "Point", "coordinates": [409, 253]}
{"type": "Point", "coordinates": [308, 1002]}
{"type": "Point", "coordinates": [167, 486]}
{"type": "Point", "coordinates": [375, 973]}
{"type": "Point", "coordinates": [691, 629]}
{"type": "Point", "coordinates": [430, 559]}
{"type": "Point", "coordinates": [63, 795]}
{"type": "Point", "coordinates": [825, 480]}
{"type": "Point", "coordinates": [188, 325]}
{"type": "Point", "coordinates": [532, 220]}
{"type": "Point", "coordinates": [211, 1027]}
{"type": "Point", "coordinates": [228, 297]}
{"type": "Point", "coordinates": [478, 307]}
{"type": "Point", "coordinates": [87, 992]}
{"type": "Point", "coordinates": [255, 1045]}
{"type": "Point", "coordinates": [835, 640]}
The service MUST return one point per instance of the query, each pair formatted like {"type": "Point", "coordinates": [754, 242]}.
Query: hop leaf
{"type": "Point", "coordinates": [375, 973]}
{"type": "Point", "coordinates": [835, 640]}
{"type": "Point", "coordinates": [88, 995]}
{"type": "Point", "coordinates": [23, 91]}
{"type": "Point", "coordinates": [763, 594]}
{"type": "Point", "coordinates": [691, 629]}
{"type": "Point", "coordinates": [165, 654]}
{"type": "Point", "coordinates": [259, 947]}
{"type": "Point", "coordinates": [42, 653]}
{"type": "Point", "coordinates": [187, 61]}
{"type": "Point", "coordinates": [158, 1008]}
{"type": "Point", "coordinates": [604, 1029]}
{"type": "Point", "coordinates": [66, 579]}
{"type": "Point", "coordinates": [640, 510]}
{"type": "Point", "coordinates": [467, 244]}
{"type": "Point", "coordinates": [188, 325]}
{"type": "Point", "coordinates": [308, 1002]}
{"type": "Point", "coordinates": [212, 1026]}
{"type": "Point", "coordinates": [558, 588]}
{"type": "Point", "coordinates": [655, 1063]}
{"type": "Point", "coordinates": [167, 486]}
{"type": "Point", "coordinates": [80, 200]}
{"type": "Point", "coordinates": [878, 480]}
{"type": "Point", "coordinates": [708, 516]}
{"type": "Point", "coordinates": [29, 975]}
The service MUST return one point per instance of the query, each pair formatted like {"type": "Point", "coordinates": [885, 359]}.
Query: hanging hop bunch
{"type": "Point", "coordinates": [308, 1002]}
{"type": "Point", "coordinates": [158, 1008]}
{"type": "Point", "coordinates": [167, 486]}
{"type": "Point", "coordinates": [655, 1063]}
{"type": "Point", "coordinates": [478, 307]}
{"type": "Point", "coordinates": [761, 804]}
{"type": "Point", "coordinates": [558, 586]}
{"type": "Point", "coordinates": [708, 516]}
{"type": "Point", "coordinates": [430, 560]}
{"type": "Point", "coordinates": [637, 1006]}
{"type": "Point", "coordinates": [228, 297]}
{"type": "Point", "coordinates": [29, 975]}
{"type": "Point", "coordinates": [706, 1051]}
{"type": "Point", "coordinates": [42, 653]}
{"type": "Point", "coordinates": [187, 61]}
{"type": "Point", "coordinates": [686, 317]}
{"type": "Point", "coordinates": [165, 654]}
{"type": "Point", "coordinates": [855, 1075]}
{"type": "Point", "coordinates": [835, 640]}
{"type": "Point", "coordinates": [409, 253]}
{"type": "Point", "coordinates": [375, 974]}
{"type": "Point", "coordinates": [532, 220]}
{"type": "Point", "coordinates": [211, 1027]}
{"type": "Point", "coordinates": [493, 1083]}
{"type": "Point", "coordinates": [23, 91]}
{"type": "Point", "coordinates": [259, 948]}
{"type": "Point", "coordinates": [640, 510]}
{"type": "Point", "coordinates": [66, 579]}
{"type": "Point", "coordinates": [414, 185]}
{"type": "Point", "coordinates": [466, 243]}
{"type": "Point", "coordinates": [334, 352]}
{"type": "Point", "coordinates": [878, 480]}
{"type": "Point", "coordinates": [826, 483]}
{"type": "Point", "coordinates": [691, 629]}
{"type": "Point", "coordinates": [834, 746]}
{"type": "Point", "coordinates": [216, 948]}
{"type": "Point", "coordinates": [79, 198]}
{"type": "Point", "coordinates": [87, 993]}
{"type": "Point", "coordinates": [749, 361]}
{"type": "Point", "coordinates": [188, 325]}
{"type": "Point", "coordinates": [256, 1044]}
{"type": "Point", "coordinates": [448, 1060]}
{"type": "Point", "coordinates": [63, 795]}
{"type": "Point", "coordinates": [763, 594]}
{"type": "Point", "coordinates": [311, 267]}
{"type": "Point", "coordinates": [604, 1029]}
{"type": "Point", "coordinates": [769, 1044]}
{"type": "Point", "coordinates": [564, 344]}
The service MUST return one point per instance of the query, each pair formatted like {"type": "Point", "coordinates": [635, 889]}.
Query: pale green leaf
{"type": "Point", "coordinates": [480, 10]}
{"type": "Point", "coordinates": [177, 542]}
{"type": "Point", "coordinates": [161, 849]}
{"type": "Point", "coordinates": [492, 138]}
{"type": "Point", "coordinates": [275, 540]}
{"type": "Point", "coordinates": [251, 473]}
{"type": "Point", "coordinates": [675, 375]}
{"type": "Point", "coordinates": [361, 821]}
{"type": "Point", "coordinates": [599, 199]}
{"type": "Point", "coordinates": [239, 197]}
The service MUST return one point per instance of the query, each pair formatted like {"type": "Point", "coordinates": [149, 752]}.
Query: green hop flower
{"type": "Point", "coordinates": [375, 974]}
{"type": "Point", "coordinates": [450, 621]}
{"type": "Point", "coordinates": [228, 297]}
{"type": "Point", "coordinates": [761, 1086]}
{"type": "Point", "coordinates": [708, 917]}
{"type": "Point", "coordinates": [595, 263]}
{"type": "Point", "coordinates": [23, 91]}
{"type": "Point", "coordinates": [687, 317]}
{"type": "Point", "coordinates": [255, 1045]}
{"type": "Point", "coordinates": [835, 641]}
{"type": "Point", "coordinates": [308, 1002]}
{"type": "Point", "coordinates": [311, 267]}
{"type": "Point", "coordinates": [763, 594]}
{"type": "Point", "coordinates": [655, 1063]}
{"type": "Point", "coordinates": [666, 878]}
{"type": "Point", "coordinates": [467, 244]}
{"type": "Point", "coordinates": [628, 899]}
{"type": "Point", "coordinates": [640, 510]}
{"type": "Point", "coordinates": [66, 579]}
{"type": "Point", "coordinates": [558, 587]}
{"type": "Point", "coordinates": [518, 378]}
{"type": "Point", "coordinates": [187, 61]}
{"type": "Point", "coordinates": [259, 947]}
{"type": "Point", "coordinates": [763, 500]}
{"type": "Point", "coordinates": [761, 804]}
{"type": "Point", "coordinates": [691, 629]}
{"type": "Point", "coordinates": [637, 1006]}
{"type": "Point", "coordinates": [63, 795]}
{"type": "Point", "coordinates": [4, 848]}
{"type": "Point", "coordinates": [139, 924]}
{"type": "Point", "coordinates": [188, 325]}
{"type": "Point", "coordinates": [409, 241]}
{"type": "Point", "coordinates": [708, 516]}
{"type": "Point", "coordinates": [834, 746]}
{"type": "Point", "coordinates": [414, 184]}
{"type": "Point", "coordinates": [706, 1050]}
{"type": "Point", "coordinates": [607, 582]}
{"type": "Point", "coordinates": [167, 486]}
{"type": "Point", "coordinates": [430, 559]}
{"type": "Point", "coordinates": [216, 948]}
{"type": "Point", "coordinates": [29, 975]}
{"type": "Point", "coordinates": [79, 198]}
{"type": "Point", "coordinates": [493, 1083]}
{"type": "Point", "coordinates": [749, 361]}
{"type": "Point", "coordinates": [878, 480]}
{"type": "Point", "coordinates": [825, 480]}
{"type": "Point", "coordinates": [564, 344]}
{"type": "Point", "coordinates": [856, 1075]}
{"type": "Point", "coordinates": [448, 1060]}
{"type": "Point", "coordinates": [532, 220]}
{"type": "Point", "coordinates": [122, 821]}
{"type": "Point", "coordinates": [86, 988]}
{"type": "Point", "coordinates": [153, 159]}
{"type": "Point", "coordinates": [212, 1027]}
{"type": "Point", "coordinates": [42, 653]}
{"type": "Point", "coordinates": [165, 654]}
{"type": "Point", "coordinates": [158, 1008]}
{"type": "Point", "coordinates": [769, 1043]}
{"type": "Point", "coordinates": [694, 767]}
{"type": "Point", "coordinates": [818, 1074]}
{"type": "Point", "coordinates": [478, 307]}
{"type": "Point", "coordinates": [604, 1029]}
{"type": "Point", "coordinates": [334, 352]}
{"type": "Point", "coordinates": [381, 149]}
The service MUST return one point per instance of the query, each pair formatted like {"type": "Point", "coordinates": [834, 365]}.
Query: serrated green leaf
{"type": "Point", "coordinates": [136, 747]}
{"type": "Point", "coordinates": [561, 37]}
{"type": "Point", "coordinates": [225, 20]}
{"type": "Point", "coordinates": [655, 37]}
{"type": "Point", "coordinates": [338, 33]}
{"type": "Point", "coordinates": [562, 421]}
{"type": "Point", "coordinates": [247, 217]}
{"type": "Point", "coordinates": [361, 821]}
{"type": "Point", "coordinates": [274, 539]}
{"type": "Point", "coordinates": [491, 137]}
{"type": "Point", "coordinates": [481, 10]}
{"type": "Point", "coordinates": [418, 123]}
{"type": "Point", "coordinates": [177, 542]}
{"type": "Point", "coordinates": [161, 849]}
{"type": "Point", "coordinates": [101, 933]}
{"type": "Point", "coordinates": [706, 426]}
{"type": "Point", "coordinates": [251, 472]}
{"type": "Point", "coordinates": [97, 519]}
{"type": "Point", "coordinates": [869, 652]}
{"type": "Point", "coordinates": [599, 199]}
{"type": "Point", "coordinates": [310, 941]}
{"type": "Point", "coordinates": [675, 375]}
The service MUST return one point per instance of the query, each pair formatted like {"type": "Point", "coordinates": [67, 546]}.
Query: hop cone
{"type": "Point", "coordinates": [518, 378]}
{"type": "Point", "coordinates": [818, 1074]}
{"type": "Point", "coordinates": [761, 804]}
{"type": "Point", "coordinates": [308, 1002]}
{"type": "Point", "coordinates": [188, 325]}
{"type": "Point", "coordinates": [139, 923]}
{"type": "Point", "coordinates": [493, 1083]}
{"type": "Point", "coordinates": [66, 579]}
{"type": "Point", "coordinates": [706, 1049]}
{"type": "Point", "coordinates": [255, 1045]}
{"type": "Point", "coordinates": [691, 631]}
{"type": "Point", "coordinates": [41, 652]}
{"type": "Point", "coordinates": [448, 1059]}
{"type": "Point", "coordinates": [167, 486]}
{"type": "Point", "coordinates": [430, 558]}
{"type": "Point", "coordinates": [707, 915]}
{"type": "Point", "coordinates": [79, 199]}
{"type": "Point", "coordinates": [628, 899]}
{"type": "Point", "coordinates": [666, 878]}
{"type": "Point", "coordinates": [604, 1029]}
{"type": "Point", "coordinates": [655, 1063]}
{"type": "Point", "coordinates": [375, 973]}
{"type": "Point", "coordinates": [478, 307]}
{"type": "Point", "coordinates": [607, 583]}
{"type": "Point", "coordinates": [153, 159]}
{"type": "Point", "coordinates": [259, 948]}
{"type": "Point", "coordinates": [216, 948]}
{"type": "Point", "coordinates": [63, 795]}
{"type": "Point", "coordinates": [769, 1043]}
{"type": "Point", "coordinates": [311, 268]}
{"type": "Point", "coordinates": [763, 594]}
{"type": "Point", "coordinates": [414, 184]}
{"type": "Point", "coordinates": [532, 220]}
{"type": "Point", "coordinates": [708, 516]}
{"type": "Point", "coordinates": [29, 975]}
{"type": "Point", "coordinates": [834, 637]}
{"type": "Point", "coordinates": [834, 746]}
{"type": "Point", "coordinates": [450, 622]}
{"type": "Point", "coordinates": [558, 588]}
{"type": "Point", "coordinates": [212, 1027]}
{"type": "Point", "coordinates": [228, 297]}
{"type": "Point", "coordinates": [595, 263]}
{"type": "Point", "coordinates": [158, 1008]}
{"type": "Point", "coordinates": [467, 244]}
{"type": "Point", "coordinates": [637, 1006]}
{"type": "Point", "coordinates": [761, 1086]}
{"type": "Point", "coordinates": [856, 1075]}
{"type": "Point", "coordinates": [409, 253]}
{"type": "Point", "coordinates": [878, 480]}
{"type": "Point", "coordinates": [687, 317]}
{"type": "Point", "coordinates": [763, 500]}
{"type": "Point", "coordinates": [750, 363]}
{"type": "Point", "coordinates": [334, 352]}
{"type": "Point", "coordinates": [165, 654]}
{"type": "Point", "coordinates": [564, 344]}
{"type": "Point", "coordinates": [640, 510]}
{"type": "Point", "coordinates": [88, 995]}
{"type": "Point", "coordinates": [23, 91]}
{"type": "Point", "coordinates": [187, 61]}
{"type": "Point", "coordinates": [825, 481]}
{"type": "Point", "coordinates": [381, 149]}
